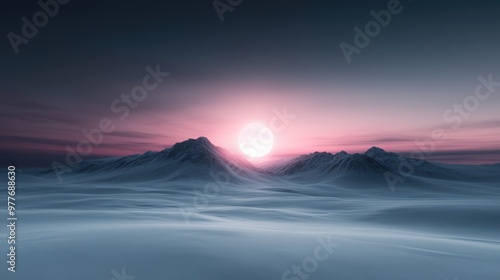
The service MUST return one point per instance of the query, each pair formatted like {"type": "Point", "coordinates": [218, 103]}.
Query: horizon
{"type": "Point", "coordinates": [293, 76]}
{"type": "Point", "coordinates": [274, 158]}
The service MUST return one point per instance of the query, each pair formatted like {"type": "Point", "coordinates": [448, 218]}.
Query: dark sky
{"type": "Point", "coordinates": [264, 55]}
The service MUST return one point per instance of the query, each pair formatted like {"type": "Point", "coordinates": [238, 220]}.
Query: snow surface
{"type": "Point", "coordinates": [194, 211]}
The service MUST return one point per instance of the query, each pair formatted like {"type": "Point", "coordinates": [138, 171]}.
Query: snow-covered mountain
{"type": "Point", "coordinates": [200, 159]}
{"type": "Point", "coordinates": [195, 204]}
{"type": "Point", "coordinates": [374, 164]}
{"type": "Point", "coordinates": [322, 163]}
{"type": "Point", "coordinates": [193, 158]}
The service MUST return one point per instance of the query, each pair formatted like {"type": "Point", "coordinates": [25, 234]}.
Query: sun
{"type": "Point", "coordinates": [256, 140]}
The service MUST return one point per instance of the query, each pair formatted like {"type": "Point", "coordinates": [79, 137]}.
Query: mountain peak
{"type": "Point", "coordinates": [202, 152]}
{"type": "Point", "coordinates": [197, 148]}
{"type": "Point", "coordinates": [202, 139]}
{"type": "Point", "coordinates": [342, 153]}
{"type": "Point", "coordinates": [319, 154]}
{"type": "Point", "coordinates": [198, 142]}
{"type": "Point", "coordinates": [375, 151]}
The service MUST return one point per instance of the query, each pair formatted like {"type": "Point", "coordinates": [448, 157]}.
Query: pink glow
{"type": "Point", "coordinates": [325, 120]}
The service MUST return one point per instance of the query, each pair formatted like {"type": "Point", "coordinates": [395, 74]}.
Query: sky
{"type": "Point", "coordinates": [431, 70]}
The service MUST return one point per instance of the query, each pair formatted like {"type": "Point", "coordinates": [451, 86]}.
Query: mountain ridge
{"type": "Point", "coordinates": [196, 157]}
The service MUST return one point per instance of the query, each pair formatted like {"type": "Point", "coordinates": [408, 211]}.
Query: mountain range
{"type": "Point", "coordinates": [200, 159]}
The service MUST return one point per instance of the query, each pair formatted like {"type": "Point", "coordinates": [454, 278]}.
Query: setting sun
{"type": "Point", "coordinates": [256, 140]}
